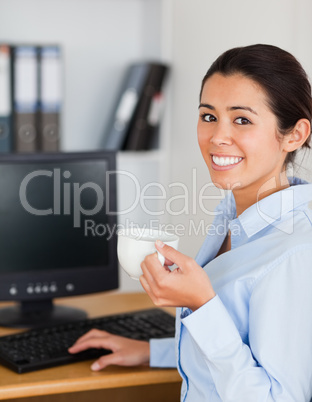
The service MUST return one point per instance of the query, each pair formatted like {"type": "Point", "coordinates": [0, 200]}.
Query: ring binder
{"type": "Point", "coordinates": [6, 144]}
{"type": "Point", "coordinates": [25, 98]}
{"type": "Point", "coordinates": [49, 98]}
{"type": "Point", "coordinates": [143, 131]}
{"type": "Point", "coordinates": [135, 122]}
{"type": "Point", "coordinates": [127, 101]}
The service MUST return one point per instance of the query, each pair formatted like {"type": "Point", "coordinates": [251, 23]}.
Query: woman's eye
{"type": "Point", "coordinates": [208, 117]}
{"type": "Point", "coordinates": [242, 121]}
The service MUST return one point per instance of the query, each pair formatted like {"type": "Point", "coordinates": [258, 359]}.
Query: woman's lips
{"type": "Point", "coordinates": [225, 162]}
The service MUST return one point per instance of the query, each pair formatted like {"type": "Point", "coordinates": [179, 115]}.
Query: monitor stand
{"type": "Point", "coordinates": [30, 314]}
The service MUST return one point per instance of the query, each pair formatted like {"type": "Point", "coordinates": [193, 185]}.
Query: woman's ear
{"type": "Point", "coordinates": [298, 135]}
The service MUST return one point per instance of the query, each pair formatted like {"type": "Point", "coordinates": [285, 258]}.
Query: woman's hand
{"type": "Point", "coordinates": [125, 351]}
{"type": "Point", "coordinates": [186, 286]}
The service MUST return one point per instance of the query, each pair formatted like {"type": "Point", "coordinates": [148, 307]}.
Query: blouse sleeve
{"type": "Point", "coordinates": [162, 352]}
{"type": "Point", "coordinates": [276, 363]}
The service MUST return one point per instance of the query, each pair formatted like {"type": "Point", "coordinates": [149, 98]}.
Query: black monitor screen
{"type": "Point", "coordinates": [57, 225]}
{"type": "Point", "coordinates": [44, 222]}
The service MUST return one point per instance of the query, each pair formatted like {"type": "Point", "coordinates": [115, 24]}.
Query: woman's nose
{"type": "Point", "coordinates": [221, 136]}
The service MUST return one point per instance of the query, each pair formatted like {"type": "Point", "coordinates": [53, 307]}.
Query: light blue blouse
{"type": "Point", "coordinates": [253, 341]}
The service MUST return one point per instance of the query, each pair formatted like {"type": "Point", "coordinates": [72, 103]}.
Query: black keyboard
{"type": "Point", "coordinates": [47, 347]}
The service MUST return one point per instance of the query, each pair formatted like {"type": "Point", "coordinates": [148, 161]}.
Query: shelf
{"type": "Point", "coordinates": [98, 41]}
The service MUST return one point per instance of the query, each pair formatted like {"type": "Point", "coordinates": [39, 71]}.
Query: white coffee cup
{"type": "Point", "coordinates": [134, 244]}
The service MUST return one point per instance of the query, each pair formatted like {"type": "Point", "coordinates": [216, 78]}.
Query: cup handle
{"type": "Point", "coordinates": [161, 258]}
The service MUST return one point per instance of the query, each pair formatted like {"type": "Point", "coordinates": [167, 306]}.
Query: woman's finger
{"type": "Point", "coordinates": [104, 361]}
{"type": "Point", "coordinates": [171, 254]}
{"type": "Point", "coordinates": [97, 343]}
{"type": "Point", "coordinates": [149, 260]}
{"type": "Point", "coordinates": [93, 333]}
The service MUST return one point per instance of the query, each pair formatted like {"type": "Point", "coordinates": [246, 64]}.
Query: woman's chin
{"type": "Point", "coordinates": [225, 184]}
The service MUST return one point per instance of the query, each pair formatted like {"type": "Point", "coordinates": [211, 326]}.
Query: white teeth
{"type": "Point", "coordinates": [225, 161]}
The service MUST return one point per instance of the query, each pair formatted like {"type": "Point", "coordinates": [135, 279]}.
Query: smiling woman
{"type": "Point", "coordinates": [244, 323]}
{"type": "Point", "coordinates": [278, 74]}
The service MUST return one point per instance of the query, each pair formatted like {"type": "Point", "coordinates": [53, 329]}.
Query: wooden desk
{"type": "Point", "coordinates": [76, 382]}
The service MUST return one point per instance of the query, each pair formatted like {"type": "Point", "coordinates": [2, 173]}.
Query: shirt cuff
{"type": "Point", "coordinates": [162, 352]}
{"type": "Point", "coordinates": [211, 327]}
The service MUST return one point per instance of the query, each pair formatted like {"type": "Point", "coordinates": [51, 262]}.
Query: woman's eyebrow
{"type": "Point", "coordinates": [249, 109]}
{"type": "Point", "coordinates": [206, 105]}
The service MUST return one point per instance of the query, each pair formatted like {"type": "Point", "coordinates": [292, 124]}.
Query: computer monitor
{"type": "Point", "coordinates": [57, 233]}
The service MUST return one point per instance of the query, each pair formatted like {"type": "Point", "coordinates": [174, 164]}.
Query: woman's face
{"type": "Point", "coordinates": [237, 134]}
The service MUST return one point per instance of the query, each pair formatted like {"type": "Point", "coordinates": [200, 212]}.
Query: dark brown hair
{"type": "Point", "coordinates": [279, 74]}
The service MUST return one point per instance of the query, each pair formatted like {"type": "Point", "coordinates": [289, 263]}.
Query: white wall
{"type": "Point", "coordinates": [137, 180]}
{"type": "Point", "coordinates": [201, 30]}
